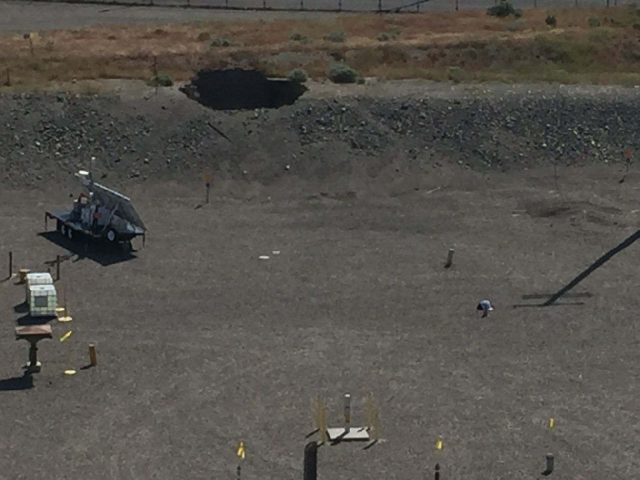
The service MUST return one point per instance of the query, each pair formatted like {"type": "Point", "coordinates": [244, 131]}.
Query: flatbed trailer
{"type": "Point", "coordinates": [100, 214]}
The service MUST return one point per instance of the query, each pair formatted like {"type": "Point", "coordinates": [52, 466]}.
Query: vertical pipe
{"type": "Point", "coordinates": [347, 412]}
{"type": "Point", "coordinates": [311, 461]}
{"type": "Point", "coordinates": [457, 5]}
{"type": "Point", "coordinates": [449, 258]}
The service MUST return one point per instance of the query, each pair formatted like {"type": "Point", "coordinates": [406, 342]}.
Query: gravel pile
{"type": "Point", "coordinates": [45, 137]}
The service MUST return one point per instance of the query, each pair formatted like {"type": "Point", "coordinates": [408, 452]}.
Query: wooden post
{"type": "Point", "coordinates": [457, 5]}
{"type": "Point", "coordinates": [208, 185]}
{"type": "Point", "coordinates": [301, 4]}
{"type": "Point", "coordinates": [93, 359]}
{"type": "Point", "coordinates": [339, 5]}
{"type": "Point", "coordinates": [449, 258]}
{"type": "Point", "coordinates": [8, 81]}
{"type": "Point", "coordinates": [379, 6]}
{"type": "Point", "coordinates": [10, 265]}
{"type": "Point", "coordinates": [57, 267]}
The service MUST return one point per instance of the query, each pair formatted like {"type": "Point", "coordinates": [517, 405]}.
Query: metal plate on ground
{"type": "Point", "coordinates": [355, 434]}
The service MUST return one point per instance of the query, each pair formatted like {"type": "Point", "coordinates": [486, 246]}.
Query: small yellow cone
{"type": "Point", "coordinates": [240, 452]}
{"type": "Point", "coordinates": [439, 444]}
{"type": "Point", "coordinates": [552, 423]}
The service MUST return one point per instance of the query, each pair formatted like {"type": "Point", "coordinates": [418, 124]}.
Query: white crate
{"type": "Point", "coordinates": [36, 279]}
{"type": "Point", "coordinates": [43, 301]}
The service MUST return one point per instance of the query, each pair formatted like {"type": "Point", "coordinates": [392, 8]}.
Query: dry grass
{"type": "Point", "coordinates": [419, 46]}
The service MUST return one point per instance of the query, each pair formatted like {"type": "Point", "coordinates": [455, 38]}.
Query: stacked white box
{"type": "Point", "coordinates": [36, 279]}
{"type": "Point", "coordinates": [43, 301]}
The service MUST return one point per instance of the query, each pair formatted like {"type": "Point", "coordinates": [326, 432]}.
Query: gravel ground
{"type": "Point", "coordinates": [23, 16]}
{"type": "Point", "coordinates": [329, 137]}
{"type": "Point", "coordinates": [202, 344]}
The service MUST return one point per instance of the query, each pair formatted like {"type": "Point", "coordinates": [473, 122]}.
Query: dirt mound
{"type": "Point", "coordinates": [237, 89]}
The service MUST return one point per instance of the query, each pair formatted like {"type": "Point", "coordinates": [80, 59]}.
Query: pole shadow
{"type": "Point", "coordinates": [591, 268]}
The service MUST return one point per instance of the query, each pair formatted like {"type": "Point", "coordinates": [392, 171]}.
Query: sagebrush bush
{"type": "Point", "coordinates": [220, 42]}
{"type": "Point", "coordinates": [551, 21]}
{"type": "Point", "coordinates": [297, 75]}
{"type": "Point", "coordinates": [337, 37]}
{"type": "Point", "coordinates": [342, 73]}
{"type": "Point", "coordinates": [502, 9]}
{"type": "Point", "coordinates": [161, 80]}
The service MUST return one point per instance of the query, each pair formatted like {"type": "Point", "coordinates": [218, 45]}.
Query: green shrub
{"type": "Point", "coordinates": [336, 37]}
{"type": "Point", "coordinates": [204, 36]}
{"type": "Point", "coordinates": [502, 9]}
{"type": "Point", "coordinates": [161, 80]}
{"type": "Point", "coordinates": [297, 37]}
{"type": "Point", "coordinates": [297, 75]}
{"type": "Point", "coordinates": [594, 22]}
{"type": "Point", "coordinates": [456, 74]}
{"type": "Point", "coordinates": [517, 13]}
{"type": "Point", "coordinates": [342, 73]}
{"type": "Point", "coordinates": [220, 42]}
{"type": "Point", "coordinates": [551, 21]}
{"type": "Point", "coordinates": [390, 35]}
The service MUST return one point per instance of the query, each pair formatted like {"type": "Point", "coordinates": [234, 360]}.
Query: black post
{"type": "Point", "coordinates": [264, 4]}
{"type": "Point", "coordinates": [10, 264]}
{"type": "Point", "coordinates": [436, 474]}
{"type": "Point", "coordinates": [311, 461]}
{"type": "Point", "coordinates": [57, 267]}
{"type": "Point", "coordinates": [457, 5]}
{"type": "Point", "coordinates": [549, 465]}
{"type": "Point", "coordinates": [301, 4]}
{"type": "Point", "coordinates": [8, 83]}
{"type": "Point", "coordinates": [339, 5]}
{"type": "Point", "coordinates": [208, 186]}
{"type": "Point", "coordinates": [379, 6]}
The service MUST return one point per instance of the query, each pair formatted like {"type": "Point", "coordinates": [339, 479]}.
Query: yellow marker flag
{"type": "Point", "coordinates": [65, 336]}
{"type": "Point", "coordinates": [439, 444]}
{"type": "Point", "coordinates": [240, 450]}
{"type": "Point", "coordinates": [552, 422]}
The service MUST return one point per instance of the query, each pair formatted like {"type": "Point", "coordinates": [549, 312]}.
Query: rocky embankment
{"type": "Point", "coordinates": [44, 137]}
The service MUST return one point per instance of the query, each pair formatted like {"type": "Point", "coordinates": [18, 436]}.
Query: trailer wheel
{"type": "Point", "coordinates": [63, 229]}
{"type": "Point", "coordinates": [70, 233]}
{"type": "Point", "coordinates": [111, 236]}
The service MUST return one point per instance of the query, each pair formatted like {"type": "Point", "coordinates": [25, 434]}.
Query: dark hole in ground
{"type": "Point", "coordinates": [238, 89]}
